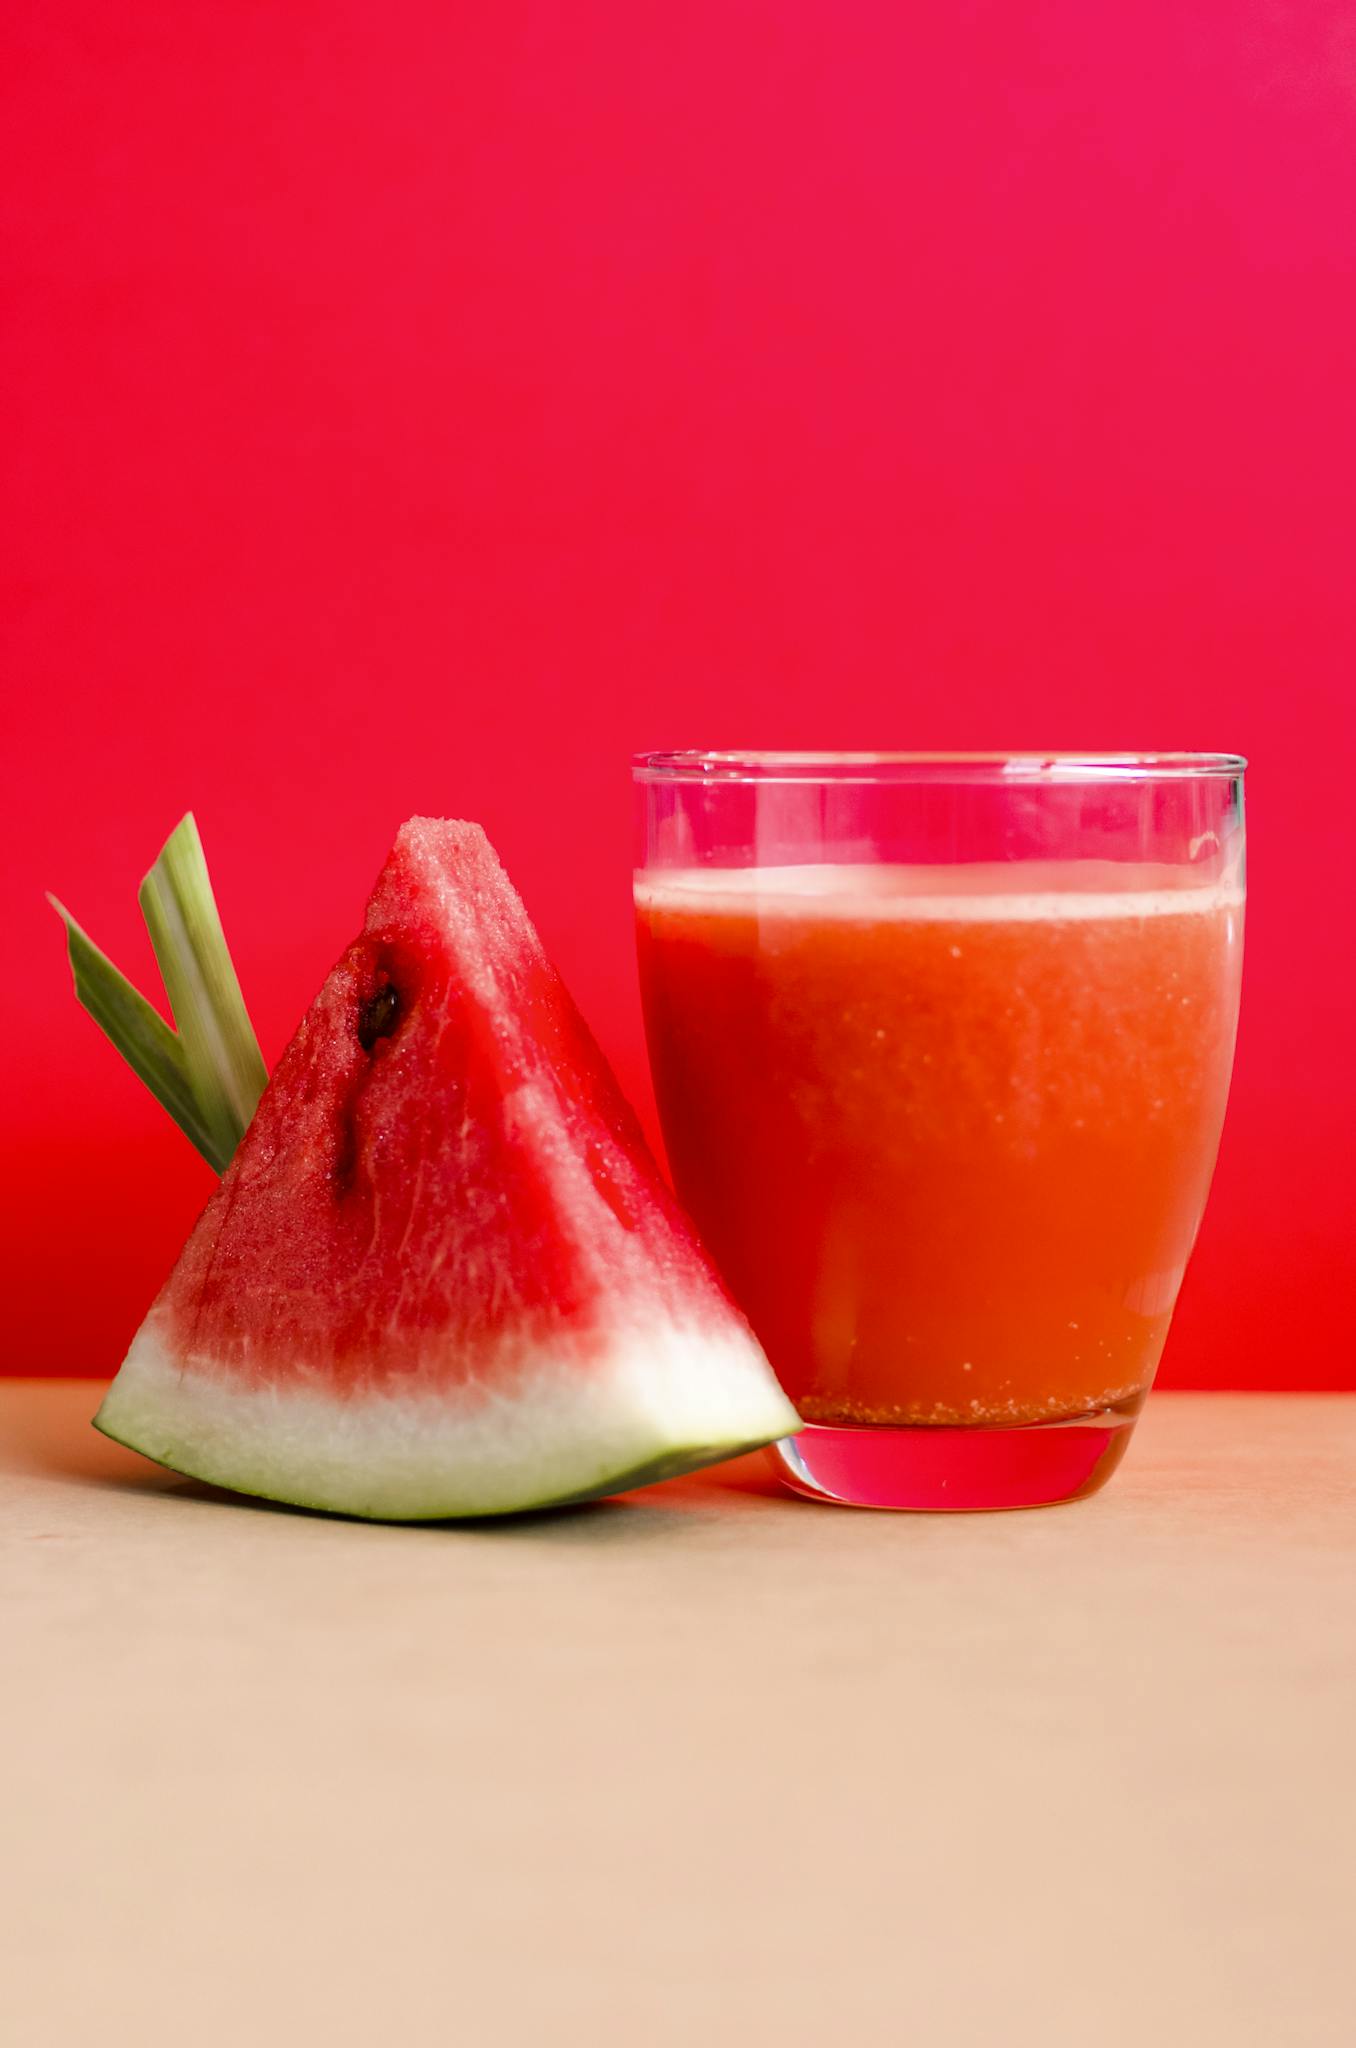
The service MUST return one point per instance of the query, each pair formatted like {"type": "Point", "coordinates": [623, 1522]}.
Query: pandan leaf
{"type": "Point", "coordinates": [209, 1072]}
{"type": "Point", "coordinates": [225, 1067]}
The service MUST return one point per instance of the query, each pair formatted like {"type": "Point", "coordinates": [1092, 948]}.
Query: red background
{"type": "Point", "coordinates": [421, 407]}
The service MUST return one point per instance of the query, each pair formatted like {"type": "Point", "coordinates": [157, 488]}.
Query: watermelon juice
{"type": "Point", "coordinates": [948, 1131]}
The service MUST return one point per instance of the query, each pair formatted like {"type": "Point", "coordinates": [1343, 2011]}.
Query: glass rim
{"type": "Point", "coordinates": [699, 765]}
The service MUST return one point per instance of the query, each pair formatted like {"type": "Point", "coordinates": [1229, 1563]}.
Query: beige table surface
{"type": "Point", "coordinates": [703, 1765]}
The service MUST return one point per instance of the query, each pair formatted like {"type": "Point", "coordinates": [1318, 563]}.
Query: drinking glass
{"type": "Point", "coordinates": [941, 1045]}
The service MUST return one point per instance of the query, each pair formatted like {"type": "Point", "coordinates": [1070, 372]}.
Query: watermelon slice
{"type": "Point", "coordinates": [442, 1274]}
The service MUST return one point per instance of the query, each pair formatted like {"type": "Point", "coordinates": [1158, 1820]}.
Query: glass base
{"type": "Point", "coordinates": [939, 1470]}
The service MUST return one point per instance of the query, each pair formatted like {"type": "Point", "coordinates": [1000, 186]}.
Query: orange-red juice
{"type": "Point", "coordinates": [948, 1131]}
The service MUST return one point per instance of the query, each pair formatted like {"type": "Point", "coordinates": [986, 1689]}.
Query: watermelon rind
{"type": "Point", "coordinates": [633, 1409]}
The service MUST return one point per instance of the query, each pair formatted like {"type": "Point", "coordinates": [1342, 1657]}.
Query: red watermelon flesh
{"type": "Point", "coordinates": [442, 1274]}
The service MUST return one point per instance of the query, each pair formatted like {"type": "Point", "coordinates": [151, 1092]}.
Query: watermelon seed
{"type": "Point", "coordinates": [378, 1016]}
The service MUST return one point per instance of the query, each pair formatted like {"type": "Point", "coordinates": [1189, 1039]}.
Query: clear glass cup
{"type": "Point", "coordinates": [941, 1046]}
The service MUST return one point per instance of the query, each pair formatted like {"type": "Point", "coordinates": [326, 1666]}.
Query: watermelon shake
{"type": "Point", "coordinates": [947, 1127]}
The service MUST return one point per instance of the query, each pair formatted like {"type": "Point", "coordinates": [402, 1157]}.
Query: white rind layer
{"type": "Point", "coordinates": [536, 1430]}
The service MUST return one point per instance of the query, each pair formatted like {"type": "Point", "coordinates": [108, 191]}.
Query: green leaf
{"type": "Point", "coordinates": [208, 1072]}
{"type": "Point", "coordinates": [137, 1031]}
{"type": "Point", "coordinates": [225, 1068]}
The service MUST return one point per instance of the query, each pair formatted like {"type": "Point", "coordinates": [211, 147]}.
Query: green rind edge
{"type": "Point", "coordinates": [671, 1465]}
